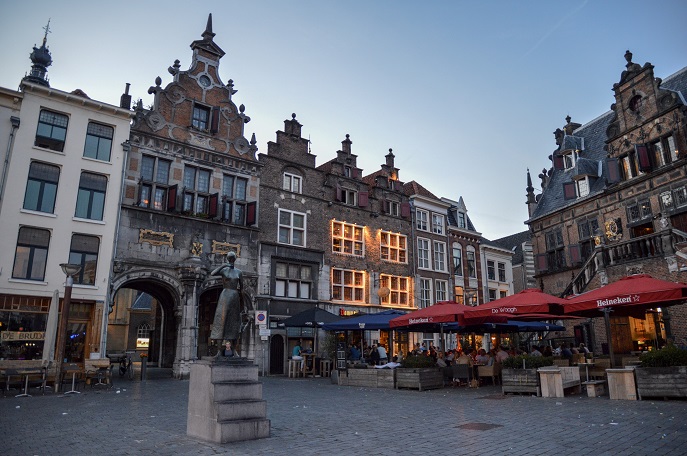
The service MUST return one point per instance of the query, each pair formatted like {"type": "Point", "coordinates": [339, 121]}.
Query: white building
{"type": "Point", "coordinates": [60, 204]}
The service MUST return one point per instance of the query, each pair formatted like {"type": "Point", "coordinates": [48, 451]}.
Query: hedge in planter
{"type": "Point", "coordinates": [515, 379]}
{"type": "Point", "coordinates": [663, 373]}
{"type": "Point", "coordinates": [419, 372]}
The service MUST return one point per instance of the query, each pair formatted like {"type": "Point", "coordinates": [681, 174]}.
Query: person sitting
{"type": "Point", "coordinates": [296, 354]}
{"type": "Point", "coordinates": [354, 353]}
{"type": "Point", "coordinates": [565, 352]}
{"type": "Point", "coordinates": [382, 354]}
{"type": "Point", "coordinates": [535, 351]}
{"type": "Point", "coordinates": [441, 362]}
{"type": "Point", "coordinates": [482, 357]}
{"type": "Point", "coordinates": [583, 348]}
{"type": "Point", "coordinates": [229, 352]}
{"type": "Point", "coordinates": [548, 351]}
{"type": "Point", "coordinates": [502, 354]}
{"type": "Point", "coordinates": [465, 357]}
{"type": "Point", "coordinates": [449, 358]}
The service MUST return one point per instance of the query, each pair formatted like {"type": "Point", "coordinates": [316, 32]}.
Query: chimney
{"type": "Point", "coordinates": [125, 99]}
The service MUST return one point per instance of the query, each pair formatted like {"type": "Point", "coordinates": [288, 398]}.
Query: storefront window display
{"type": "Point", "coordinates": [22, 335]}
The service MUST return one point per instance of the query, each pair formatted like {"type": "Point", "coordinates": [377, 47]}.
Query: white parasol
{"type": "Point", "coordinates": [51, 330]}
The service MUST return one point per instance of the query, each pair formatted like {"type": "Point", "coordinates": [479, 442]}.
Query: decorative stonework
{"type": "Point", "coordinates": [199, 140]}
{"type": "Point", "coordinates": [196, 248]}
{"type": "Point", "coordinates": [224, 247]}
{"type": "Point", "coordinates": [155, 237]}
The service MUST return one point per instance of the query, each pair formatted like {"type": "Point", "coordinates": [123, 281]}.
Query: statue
{"type": "Point", "coordinates": [227, 323]}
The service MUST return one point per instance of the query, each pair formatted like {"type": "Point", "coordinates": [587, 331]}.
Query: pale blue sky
{"type": "Point", "coordinates": [466, 93]}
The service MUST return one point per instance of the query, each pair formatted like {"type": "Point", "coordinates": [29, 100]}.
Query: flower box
{"type": "Point", "coordinates": [661, 381]}
{"type": "Point", "coordinates": [419, 378]}
{"type": "Point", "coordinates": [520, 381]}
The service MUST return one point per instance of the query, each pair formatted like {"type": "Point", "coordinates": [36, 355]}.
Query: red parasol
{"type": "Point", "coordinates": [441, 312]}
{"type": "Point", "coordinates": [529, 304]}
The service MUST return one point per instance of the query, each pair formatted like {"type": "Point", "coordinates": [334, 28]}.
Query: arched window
{"type": "Point", "coordinates": [471, 261]}
{"type": "Point", "coordinates": [457, 259]}
{"type": "Point", "coordinates": [143, 331]}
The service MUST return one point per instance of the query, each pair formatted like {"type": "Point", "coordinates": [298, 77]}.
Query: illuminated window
{"type": "Point", "coordinates": [154, 180]}
{"type": "Point", "coordinates": [458, 295]}
{"type": "Point", "coordinates": [196, 190]}
{"type": "Point", "coordinates": [348, 285]}
{"type": "Point", "coordinates": [347, 239]}
{"type": "Point", "coordinates": [399, 290]}
{"type": "Point", "coordinates": [423, 253]}
{"type": "Point", "coordinates": [393, 247]}
{"type": "Point", "coordinates": [234, 199]}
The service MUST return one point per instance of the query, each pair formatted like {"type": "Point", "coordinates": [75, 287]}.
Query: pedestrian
{"type": "Point", "coordinates": [382, 354]}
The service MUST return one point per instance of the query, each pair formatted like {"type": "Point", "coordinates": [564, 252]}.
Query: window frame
{"type": "Point", "coordinates": [290, 229]}
{"type": "Point", "coordinates": [90, 193]}
{"type": "Point", "coordinates": [390, 252]}
{"type": "Point", "coordinates": [52, 142]}
{"type": "Point", "coordinates": [196, 200]}
{"type": "Point", "coordinates": [81, 257]}
{"type": "Point", "coordinates": [423, 261]}
{"type": "Point", "coordinates": [197, 122]}
{"type": "Point", "coordinates": [555, 249]}
{"type": "Point", "coordinates": [439, 255]}
{"type": "Point", "coordinates": [422, 220]}
{"type": "Point", "coordinates": [348, 244]}
{"type": "Point", "coordinates": [457, 266]}
{"type": "Point", "coordinates": [156, 186]}
{"type": "Point", "coordinates": [357, 289]}
{"type": "Point", "coordinates": [98, 136]}
{"type": "Point", "coordinates": [471, 261]}
{"type": "Point", "coordinates": [398, 295]}
{"type": "Point", "coordinates": [425, 293]}
{"type": "Point", "coordinates": [234, 205]}
{"type": "Point", "coordinates": [31, 255]}
{"type": "Point", "coordinates": [292, 179]}
{"type": "Point", "coordinates": [300, 283]}
{"type": "Point", "coordinates": [440, 290]}
{"type": "Point", "coordinates": [349, 197]}
{"type": "Point", "coordinates": [438, 223]}
{"type": "Point", "coordinates": [501, 269]}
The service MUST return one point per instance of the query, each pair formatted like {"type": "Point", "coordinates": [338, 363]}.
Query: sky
{"type": "Point", "coordinates": [466, 93]}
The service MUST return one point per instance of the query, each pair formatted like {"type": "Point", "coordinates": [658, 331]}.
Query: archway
{"type": "Point", "coordinates": [277, 355]}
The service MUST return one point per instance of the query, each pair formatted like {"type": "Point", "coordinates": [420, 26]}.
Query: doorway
{"type": "Point", "coordinates": [277, 355]}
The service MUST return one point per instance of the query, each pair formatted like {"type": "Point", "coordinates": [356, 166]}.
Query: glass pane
{"type": "Point", "coordinates": [284, 235]}
{"type": "Point", "coordinates": [33, 189]}
{"type": "Point", "coordinates": [298, 237]}
{"type": "Point", "coordinates": [91, 147]}
{"type": "Point", "coordinates": [160, 195]}
{"type": "Point", "coordinates": [203, 181]}
{"type": "Point", "coordinates": [285, 218]}
{"type": "Point", "coordinates": [38, 266]}
{"type": "Point", "coordinates": [82, 200]}
{"type": "Point", "coordinates": [162, 176]}
{"type": "Point", "coordinates": [279, 287]}
{"type": "Point", "coordinates": [239, 214]}
{"type": "Point", "coordinates": [48, 201]}
{"type": "Point", "coordinates": [305, 290]}
{"type": "Point", "coordinates": [348, 277]}
{"type": "Point", "coordinates": [281, 269]}
{"type": "Point", "coordinates": [104, 148]}
{"type": "Point", "coordinates": [306, 272]}
{"type": "Point", "coordinates": [98, 206]}
{"type": "Point", "coordinates": [358, 279]}
{"type": "Point", "coordinates": [298, 221]}
{"type": "Point", "coordinates": [228, 186]}
{"type": "Point", "coordinates": [336, 229]}
{"type": "Point", "coordinates": [21, 263]}
{"type": "Point", "coordinates": [358, 294]}
{"type": "Point", "coordinates": [147, 167]}
{"type": "Point", "coordinates": [336, 276]}
{"type": "Point", "coordinates": [189, 178]}
{"type": "Point", "coordinates": [293, 289]}
{"type": "Point", "coordinates": [241, 188]}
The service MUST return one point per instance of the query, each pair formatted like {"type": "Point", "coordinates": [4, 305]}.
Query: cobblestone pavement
{"type": "Point", "coordinates": [313, 416]}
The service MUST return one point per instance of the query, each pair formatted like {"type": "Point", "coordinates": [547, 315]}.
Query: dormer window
{"type": "Point", "coordinates": [582, 186]}
{"type": "Point", "coordinates": [565, 159]}
{"type": "Point", "coordinates": [201, 117]}
{"type": "Point", "coordinates": [461, 220]}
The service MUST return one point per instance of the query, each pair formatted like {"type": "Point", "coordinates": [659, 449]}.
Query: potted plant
{"type": "Point", "coordinates": [519, 373]}
{"type": "Point", "coordinates": [419, 372]}
{"type": "Point", "coordinates": [662, 373]}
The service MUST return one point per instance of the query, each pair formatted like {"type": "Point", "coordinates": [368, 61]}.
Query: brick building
{"type": "Point", "coordinates": [615, 203]}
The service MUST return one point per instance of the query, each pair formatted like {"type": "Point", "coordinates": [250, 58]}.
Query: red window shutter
{"type": "Point", "coordinates": [383, 206]}
{"type": "Point", "coordinates": [362, 199]}
{"type": "Point", "coordinates": [575, 253]}
{"type": "Point", "coordinates": [558, 162]}
{"type": "Point", "coordinates": [354, 173]}
{"type": "Point", "coordinates": [251, 213]}
{"type": "Point", "coordinates": [172, 198]}
{"type": "Point", "coordinates": [569, 190]}
{"type": "Point", "coordinates": [398, 186]}
{"type": "Point", "coordinates": [213, 203]}
{"type": "Point", "coordinates": [643, 157]}
{"type": "Point", "coordinates": [613, 169]}
{"type": "Point", "coordinates": [405, 210]}
{"type": "Point", "coordinates": [541, 262]}
{"type": "Point", "coordinates": [338, 193]}
{"type": "Point", "coordinates": [214, 125]}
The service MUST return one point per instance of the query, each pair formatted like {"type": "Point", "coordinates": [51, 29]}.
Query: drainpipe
{"type": "Point", "coordinates": [15, 124]}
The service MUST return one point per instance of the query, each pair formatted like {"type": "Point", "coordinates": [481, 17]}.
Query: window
{"type": "Point", "coordinates": [349, 197]}
{"type": "Point", "coordinates": [399, 290]}
{"type": "Point", "coordinates": [582, 186]}
{"type": "Point", "coordinates": [291, 228]}
{"type": "Point", "coordinates": [437, 224]}
{"type": "Point", "coordinates": [423, 253]}
{"type": "Point", "coordinates": [425, 293]}
{"type": "Point", "coordinates": [347, 285]}
{"type": "Point", "coordinates": [628, 166]}
{"type": "Point", "coordinates": [439, 256]}
{"type": "Point", "coordinates": [154, 180]}
{"type": "Point", "coordinates": [84, 252]}
{"type": "Point", "coordinates": [586, 230]}
{"type": "Point", "coordinates": [569, 159]}
{"type": "Point", "coordinates": [347, 238]}
{"type": "Point", "coordinates": [502, 294]}
{"type": "Point", "coordinates": [457, 259]}
{"type": "Point", "coordinates": [52, 130]}
{"type": "Point", "coordinates": [196, 190]}
{"type": "Point", "coordinates": [492, 294]}
{"type": "Point", "coordinates": [461, 220]}
{"type": "Point", "coordinates": [393, 247]}
{"type": "Point", "coordinates": [555, 250]}
{"type": "Point", "coordinates": [491, 270]}
{"type": "Point", "coordinates": [502, 272]}
{"type": "Point", "coordinates": [90, 201]}
{"type": "Point", "coordinates": [471, 298]}
{"type": "Point", "coordinates": [458, 295]}
{"type": "Point", "coordinates": [98, 141]}
{"type": "Point", "coordinates": [31, 254]}
{"type": "Point", "coordinates": [639, 211]}
{"type": "Point", "coordinates": [41, 187]}
{"type": "Point", "coordinates": [472, 266]}
{"type": "Point", "coordinates": [664, 151]}
{"type": "Point", "coordinates": [234, 199]}
{"type": "Point", "coordinates": [393, 208]}
{"type": "Point", "coordinates": [143, 331]}
{"type": "Point", "coordinates": [201, 117]}
{"type": "Point", "coordinates": [293, 280]}
{"type": "Point", "coordinates": [441, 290]}
{"type": "Point", "coordinates": [421, 218]}
{"type": "Point", "coordinates": [292, 183]}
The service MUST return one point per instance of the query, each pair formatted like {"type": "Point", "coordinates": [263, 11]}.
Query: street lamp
{"type": "Point", "coordinates": [70, 270]}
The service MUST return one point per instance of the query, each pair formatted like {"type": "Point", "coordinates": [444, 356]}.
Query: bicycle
{"type": "Point", "coordinates": [126, 367]}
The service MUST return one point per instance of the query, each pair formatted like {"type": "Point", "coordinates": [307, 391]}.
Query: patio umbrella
{"type": "Point", "coordinates": [441, 312]}
{"type": "Point", "coordinates": [529, 304]}
{"type": "Point", "coordinates": [313, 317]}
{"type": "Point", "coordinates": [51, 329]}
{"type": "Point", "coordinates": [373, 321]}
{"type": "Point", "coordinates": [630, 296]}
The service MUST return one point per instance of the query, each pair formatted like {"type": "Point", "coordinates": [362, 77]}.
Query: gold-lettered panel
{"type": "Point", "coordinates": [224, 247]}
{"type": "Point", "coordinates": [155, 237]}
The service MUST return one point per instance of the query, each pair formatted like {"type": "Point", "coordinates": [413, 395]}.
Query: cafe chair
{"type": "Point", "coordinates": [493, 371]}
{"type": "Point", "coordinates": [12, 379]}
{"type": "Point", "coordinates": [461, 372]}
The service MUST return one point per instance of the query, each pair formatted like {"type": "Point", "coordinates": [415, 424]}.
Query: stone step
{"type": "Point", "coordinates": [234, 391]}
{"type": "Point", "coordinates": [235, 373]}
{"type": "Point", "coordinates": [251, 429]}
{"type": "Point", "coordinates": [241, 410]}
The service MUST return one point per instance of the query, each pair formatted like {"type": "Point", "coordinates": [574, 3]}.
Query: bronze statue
{"type": "Point", "coordinates": [227, 323]}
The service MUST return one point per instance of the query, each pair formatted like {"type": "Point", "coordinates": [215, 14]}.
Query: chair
{"type": "Point", "coordinates": [598, 371]}
{"type": "Point", "coordinates": [325, 368]}
{"type": "Point", "coordinates": [295, 369]}
{"type": "Point", "coordinates": [493, 371]}
{"type": "Point", "coordinates": [460, 372]}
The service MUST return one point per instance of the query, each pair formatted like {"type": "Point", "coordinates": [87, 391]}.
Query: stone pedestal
{"type": "Point", "coordinates": [225, 401]}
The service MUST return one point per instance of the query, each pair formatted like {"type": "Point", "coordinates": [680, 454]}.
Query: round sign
{"type": "Point", "coordinates": [261, 317]}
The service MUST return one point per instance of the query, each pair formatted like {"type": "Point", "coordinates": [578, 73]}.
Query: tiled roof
{"type": "Point", "coordinates": [514, 240]}
{"type": "Point", "coordinates": [413, 188]}
{"type": "Point", "coordinates": [594, 135]}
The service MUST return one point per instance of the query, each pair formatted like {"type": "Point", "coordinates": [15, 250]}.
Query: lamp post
{"type": "Point", "coordinates": [70, 270]}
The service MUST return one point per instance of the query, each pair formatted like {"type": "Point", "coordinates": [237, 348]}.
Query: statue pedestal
{"type": "Point", "coordinates": [225, 401]}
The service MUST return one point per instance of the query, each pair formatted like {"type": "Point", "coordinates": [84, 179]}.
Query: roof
{"type": "Point", "coordinates": [413, 188]}
{"type": "Point", "coordinates": [591, 139]}
{"type": "Point", "coordinates": [514, 242]}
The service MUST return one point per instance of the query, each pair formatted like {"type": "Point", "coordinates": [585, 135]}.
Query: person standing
{"type": "Point", "coordinates": [382, 354]}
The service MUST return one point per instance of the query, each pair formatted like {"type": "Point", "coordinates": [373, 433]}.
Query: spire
{"type": "Point", "coordinates": [207, 44]}
{"type": "Point", "coordinates": [41, 59]}
{"type": "Point", "coordinates": [531, 199]}
{"type": "Point", "coordinates": [207, 34]}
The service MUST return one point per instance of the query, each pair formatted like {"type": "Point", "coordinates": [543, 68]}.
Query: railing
{"type": "Point", "coordinates": [655, 245]}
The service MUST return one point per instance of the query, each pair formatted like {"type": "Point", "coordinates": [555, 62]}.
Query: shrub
{"type": "Point", "coordinates": [668, 356]}
{"type": "Point", "coordinates": [531, 362]}
{"type": "Point", "coordinates": [417, 362]}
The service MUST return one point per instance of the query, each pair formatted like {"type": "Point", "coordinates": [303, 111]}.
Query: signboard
{"type": "Point", "coordinates": [341, 356]}
{"type": "Point", "coordinates": [10, 336]}
{"type": "Point", "coordinates": [265, 332]}
{"type": "Point", "coordinates": [261, 317]}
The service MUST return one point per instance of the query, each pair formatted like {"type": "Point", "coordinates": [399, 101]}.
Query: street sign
{"type": "Point", "coordinates": [265, 332]}
{"type": "Point", "coordinates": [260, 317]}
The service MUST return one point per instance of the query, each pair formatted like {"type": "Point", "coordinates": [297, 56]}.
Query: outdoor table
{"type": "Point", "coordinates": [72, 369]}
{"type": "Point", "coordinates": [28, 372]}
{"type": "Point", "coordinates": [586, 367]}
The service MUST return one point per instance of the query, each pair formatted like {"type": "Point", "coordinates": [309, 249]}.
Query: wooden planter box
{"type": "Point", "coordinates": [621, 384]}
{"type": "Point", "coordinates": [369, 378]}
{"type": "Point", "coordinates": [520, 381]}
{"type": "Point", "coordinates": [420, 379]}
{"type": "Point", "coordinates": [556, 380]}
{"type": "Point", "coordinates": [661, 381]}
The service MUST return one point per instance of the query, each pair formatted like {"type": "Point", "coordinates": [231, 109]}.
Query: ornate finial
{"type": "Point", "coordinates": [293, 115]}
{"type": "Point", "coordinates": [529, 182]}
{"type": "Point", "coordinates": [47, 30]}
{"type": "Point", "coordinates": [158, 81]}
{"type": "Point", "coordinates": [568, 118]}
{"type": "Point", "coordinates": [207, 34]}
{"type": "Point", "coordinates": [628, 57]}
{"type": "Point", "coordinates": [242, 108]}
{"type": "Point", "coordinates": [347, 136]}
{"type": "Point", "coordinates": [253, 141]}
{"type": "Point", "coordinates": [391, 150]}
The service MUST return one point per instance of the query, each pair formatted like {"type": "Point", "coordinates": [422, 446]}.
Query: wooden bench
{"type": "Point", "coordinates": [556, 380]}
{"type": "Point", "coordinates": [595, 388]}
